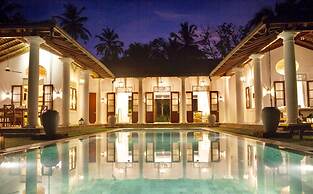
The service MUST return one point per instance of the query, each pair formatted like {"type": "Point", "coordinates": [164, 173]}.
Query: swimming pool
{"type": "Point", "coordinates": [157, 162]}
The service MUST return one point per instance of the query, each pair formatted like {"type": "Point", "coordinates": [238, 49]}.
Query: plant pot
{"type": "Point", "coordinates": [270, 118]}
{"type": "Point", "coordinates": [112, 120]}
{"type": "Point", "coordinates": [50, 122]}
{"type": "Point", "coordinates": [50, 156]}
{"type": "Point", "coordinates": [212, 119]}
{"type": "Point", "coordinates": [272, 156]}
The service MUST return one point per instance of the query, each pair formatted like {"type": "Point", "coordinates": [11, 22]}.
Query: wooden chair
{"type": "Point", "coordinates": [9, 115]}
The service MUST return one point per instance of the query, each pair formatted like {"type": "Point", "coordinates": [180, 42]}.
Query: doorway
{"type": "Point", "coordinates": [92, 108]}
{"type": "Point", "coordinates": [162, 108]}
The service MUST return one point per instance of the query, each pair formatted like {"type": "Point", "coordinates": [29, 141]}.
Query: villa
{"type": "Point", "coordinates": [44, 68]}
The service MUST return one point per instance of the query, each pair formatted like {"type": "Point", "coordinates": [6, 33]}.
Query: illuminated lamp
{"type": "Point", "coordinates": [280, 67]}
{"type": "Point", "coordinates": [42, 72]}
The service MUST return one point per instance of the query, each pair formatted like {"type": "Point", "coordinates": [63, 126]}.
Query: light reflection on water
{"type": "Point", "coordinates": [195, 162]}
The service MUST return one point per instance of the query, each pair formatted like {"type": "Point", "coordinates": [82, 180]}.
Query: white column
{"type": "Point", "coordinates": [140, 102]}
{"type": "Point", "coordinates": [256, 61]}
{"type": "Point", "coordinates": [239, 99]}
{"type": "Point", "coordinates": [99, 112]}
{"type": "Point", "coordinates": [66, 90]}
{"type": "Point", "coordinates": [33, 80]}
{"type": "Point", "coordinates": [86, 96]}
{"type": "Point", "coordinates": [226, 99]}
{"type": "Point", "coordinates": [290, 76]}
{"type": "Point", "coordinates": [183, 100]}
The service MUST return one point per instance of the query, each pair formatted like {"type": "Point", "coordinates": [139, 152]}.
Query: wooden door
{"type": "Point", "coordinates": [174, 107]}
{"type": "Point", "coordinates": [135, 107]}
{"type": "Point", "coordinates": [149, 107]}
{"type": "Point", "coordinates": [92, 107]}
{"type": "Point", "coordinates": [214, 106]}
{"type": "Point", "coordinates": [189, 108]}
{"type": "Point", "coordinates": [110, 104]}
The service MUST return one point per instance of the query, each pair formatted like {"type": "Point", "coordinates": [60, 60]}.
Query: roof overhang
{"type": "Point", "coordinates": [57, 41]}
{"type": "Point", "coordinates": [263, 38]}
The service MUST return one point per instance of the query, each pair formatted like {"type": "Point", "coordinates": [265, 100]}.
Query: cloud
{"type": "Point", "coordinates": [170, 16]}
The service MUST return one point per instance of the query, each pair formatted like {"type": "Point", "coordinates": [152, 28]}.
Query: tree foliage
{"type": "Point", "coordinates": [72, 21]}
{"type": "Point", "coordinates": [110, 47]}
{"type": "Point", "coordinates": [10, 12]}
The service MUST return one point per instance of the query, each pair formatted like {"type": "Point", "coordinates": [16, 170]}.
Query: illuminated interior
{"type": "Point", "coordinates": [122, 107]}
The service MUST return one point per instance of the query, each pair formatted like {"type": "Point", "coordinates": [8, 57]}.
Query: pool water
{"type": "Point", "coordinates": [157, 162]}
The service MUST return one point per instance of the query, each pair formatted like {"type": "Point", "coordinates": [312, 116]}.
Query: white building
{"type": "Point", "coordinates": [77, 85]}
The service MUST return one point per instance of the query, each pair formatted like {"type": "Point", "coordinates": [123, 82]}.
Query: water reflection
{"type": "Point", "coordinates": [157, 162]}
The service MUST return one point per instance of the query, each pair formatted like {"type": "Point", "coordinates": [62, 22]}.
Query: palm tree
{"type": "Point", "coordinates": [110, 47]}
{"type": "Point", "coordinates": [10, 12]}
{"type": "Point", "coordinates": [73, 23]}
{"type": "Point", "coordinates": [186, 36]}
{"type": "Point", "coordinates": [138, 53]}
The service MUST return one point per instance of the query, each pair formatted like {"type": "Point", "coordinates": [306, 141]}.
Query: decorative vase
{"type": "Point", "coordinates": [112, 120]}
{"type": "Point", "coordinates": [270, 118]}
{"type": "Point", "coordinates": [212, 119]}
{"type": "Point", "coordinates": [50, 122]}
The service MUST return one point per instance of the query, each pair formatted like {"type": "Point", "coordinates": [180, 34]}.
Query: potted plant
{"type": "Point", "coordinates": [50, 122]}
{"type": "Point", "coordinates": [111, 120]}
{"type": "Point", "coordinates": [212, 119]}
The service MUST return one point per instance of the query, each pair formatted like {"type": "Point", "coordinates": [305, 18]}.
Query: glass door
{"type": "Point", "coordinates": [189, 108]}
{"type": "Point", "coordinates": [135, 108]}
{"type": "Point", "coordinates": [175, 107]}
{"type": "Point", "coordinates": [149, 107]}
{"type": "Point", "coordinates": [214, 106]}
{"type": "Point", "coordinates": [110, 104]}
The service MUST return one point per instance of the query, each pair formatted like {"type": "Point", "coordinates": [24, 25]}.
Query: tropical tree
{"type": "Point", "coordinates": [186, 36]}
{"type": "Point", "coordinates": [73, 23]}
{"type": "Point", "coordinates": [229, 36]}
{"type": "Point", "coordinates": [207, 43]}
{"type": "Point", "coordinates": [138, 53]}
{"type": "Point", "coordinates": [288, 10]}
{"type": "Point", "coordinates": [109, 47]}
{"type": "Point", "coordinates": [10, 12]}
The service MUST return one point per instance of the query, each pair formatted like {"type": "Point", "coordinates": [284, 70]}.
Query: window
{"type": "Point", "coordinates": [310, 93]}
{"type": "Point", "coordinates": [48, 96]}
{"type": "Point", "coordinates": [248, 98]}
{"type": "Point", "coordinates": [16, 95]}
{"type": "Point", "coordinates": [72, 158]}
{"type": "Point", "coordinates": [279, 93]}
{"type": "Point", "coordinates": [73, 99]}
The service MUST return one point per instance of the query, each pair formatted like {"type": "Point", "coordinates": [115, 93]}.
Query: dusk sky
{"type": "Point", "coordinates": [144, 20]}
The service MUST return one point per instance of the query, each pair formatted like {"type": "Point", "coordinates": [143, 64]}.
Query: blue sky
{"type": "Point", "coordinates": [144, 20]}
